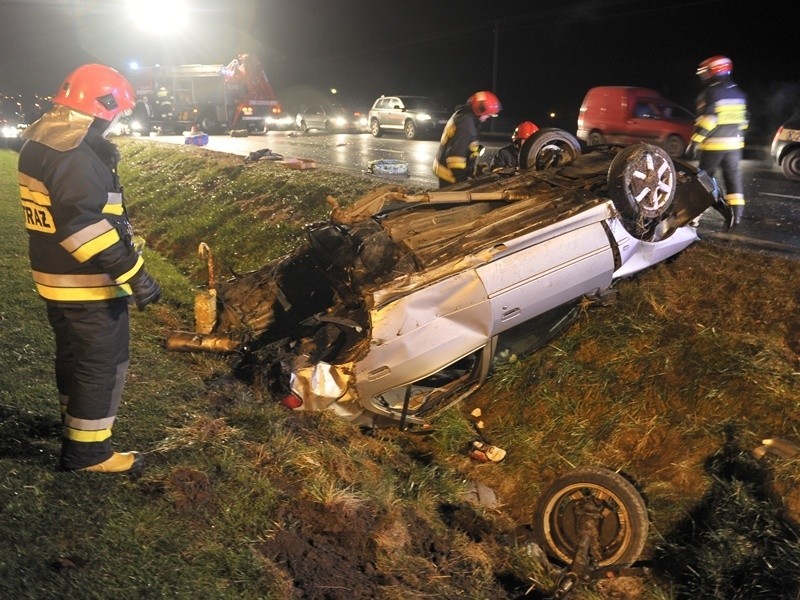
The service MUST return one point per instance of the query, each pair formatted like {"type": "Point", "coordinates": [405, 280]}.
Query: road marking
{"type": "Point", "coordinates": [778, 195]}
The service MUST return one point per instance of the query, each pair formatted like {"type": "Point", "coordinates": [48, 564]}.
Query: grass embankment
{"type": "Point", "coordinates": [242, 499]}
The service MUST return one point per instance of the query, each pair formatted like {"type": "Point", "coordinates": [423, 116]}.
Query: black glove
{"type": "Point", "coordinates": [692, 151]}
{"type": "Point", "coordinates": [145, 289]}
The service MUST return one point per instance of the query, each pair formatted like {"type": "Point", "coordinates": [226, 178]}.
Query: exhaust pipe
{"type": "Point", "coordinates": [187, 341]}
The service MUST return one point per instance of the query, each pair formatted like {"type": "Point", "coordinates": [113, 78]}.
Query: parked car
{"type": "Point", "coordinates": [402, 304]}
{"type": "Point", "coordinates": [415, 116]}
{"type": "Point", "coordinates": [786, 147]}
{"type": "Point", "coordinates": [331, 118]}
{"type": "Point", "coordinates": [626, 115]}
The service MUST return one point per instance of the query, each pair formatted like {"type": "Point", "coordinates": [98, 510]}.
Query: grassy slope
{"type": "Point", "coordinates": [647, 385]}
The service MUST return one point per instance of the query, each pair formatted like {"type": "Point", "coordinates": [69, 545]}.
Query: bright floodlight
{"type": "Point", "coordinates": [159, 16]}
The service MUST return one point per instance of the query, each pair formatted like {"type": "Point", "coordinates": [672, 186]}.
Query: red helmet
{"type": "Point", "coordinates": [96, 90]}
{"type": "Point", "coordinates": [714, 67]}
{"type": "Point", "coordinates": [523, 131]}
{"type": "Point", "coordinates": [485, 104]}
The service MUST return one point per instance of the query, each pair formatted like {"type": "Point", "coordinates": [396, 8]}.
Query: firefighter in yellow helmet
{"type": "Point", "coordinates": [84, 263]}
{"type": "Point", "coordinates": [459, 149]}
{"type": "Point", "coordinates": [721, 121]}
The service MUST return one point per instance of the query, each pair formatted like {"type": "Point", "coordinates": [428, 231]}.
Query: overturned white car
{"type": "Point", "coordinates": [399, 306]}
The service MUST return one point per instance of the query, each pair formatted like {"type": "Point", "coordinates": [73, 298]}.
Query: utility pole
{"type": "Point", "coordinates": [494, 64]}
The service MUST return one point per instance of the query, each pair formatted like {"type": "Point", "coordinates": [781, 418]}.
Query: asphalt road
{"type": "Point", "coordinates": [772, 214]}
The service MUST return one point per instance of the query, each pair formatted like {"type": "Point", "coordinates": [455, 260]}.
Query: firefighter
{"type": "Point", "coordinates": [718, 136]}
{"type": "Point", "coordinates": [164, 101]}
{"type": "Point", "coordinates": [459, 149]}
{"type": "Point", "coordinates": [508, 156]}
{"type": "Point", "coordinates": [83, 260]}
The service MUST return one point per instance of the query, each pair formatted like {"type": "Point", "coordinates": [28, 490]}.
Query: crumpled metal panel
{"type": "Point", "coordinates": [418, 334]}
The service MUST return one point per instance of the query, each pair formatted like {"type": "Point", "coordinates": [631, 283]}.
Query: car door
{"type": "Point", "coordinates": [396, 114]}
{"type": "Point", "coordinates": [557, 265]}
{"type": "Point", "coordinates": [646, 122]}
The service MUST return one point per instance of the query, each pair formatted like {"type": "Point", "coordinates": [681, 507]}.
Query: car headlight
{"type": "Point", "coordinates": [10, 131]}
{"type": "Point", "coordinates": [423, 117]}
{"type": "Point", "coordinates": [340, 121]}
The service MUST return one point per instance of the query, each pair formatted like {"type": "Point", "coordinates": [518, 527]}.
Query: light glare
{"type": "Point", "coordinates": [159, 16]}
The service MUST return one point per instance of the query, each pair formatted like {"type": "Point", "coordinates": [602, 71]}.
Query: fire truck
{"type": "Point", "coordinates": [213, 98]}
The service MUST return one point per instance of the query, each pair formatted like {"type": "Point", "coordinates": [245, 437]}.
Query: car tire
{"type": "Point", "coordinates": [410, 129]}
{"type": "Point", "coordinates": [674, 146]}
{"type": "Point", "coordinates": [595, 139]}
{"type": "Point", "coordinates": [209, 124]}
{"type": "Point", "coordinates": [622, 525]}
{"type": "Point", "coordinates": [548, 147]}
{"type": "Point", "coordinates": [375, 128]}
{"type": "Point", "coordinates": [641, 182]}
{"type": "Point", "coordinates": [303, 127]}
{"type": "Point", "coordinates": [791, 165]}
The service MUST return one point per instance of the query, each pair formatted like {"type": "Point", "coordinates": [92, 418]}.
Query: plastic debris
{"type": "Point", "coordinates": [483, 452]}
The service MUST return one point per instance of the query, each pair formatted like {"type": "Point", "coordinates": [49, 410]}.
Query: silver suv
{"type": "Point", "coordinates": [415, 116]}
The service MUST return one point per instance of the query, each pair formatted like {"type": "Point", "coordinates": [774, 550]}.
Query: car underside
{"type": "Point", "coordinates": [401, 304]}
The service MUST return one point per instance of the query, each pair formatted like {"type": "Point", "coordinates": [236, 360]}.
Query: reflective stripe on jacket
{"type": "Point", "coordinates": [458, 148]}
{"type": "Point", "coordinates": [80, 242]}
{"type": "Point", "coordinates": [721, 117]}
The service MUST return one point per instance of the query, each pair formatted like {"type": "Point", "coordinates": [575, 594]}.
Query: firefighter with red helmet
{"type": "Point", "coordinates": [508, 156]}
{"type": "Point", "coordinates": [83, 259]}
{"type": "Point", "coordinates": [459, 149]}
{"type": "Point", "coordinates": [721, 121]}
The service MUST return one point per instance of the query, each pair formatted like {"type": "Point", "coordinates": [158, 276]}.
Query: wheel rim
{"type": "Point", "coordinates": [562, 522]}
{"type": "Point", "coordinates": [674, 146]}
{"type": "Point", "coordinates": [792, 165]}
{"type": "Point", "coordinates": [552, 155]}
{"type": "Point", "coordinates": [410, 130]}
{"type": "Point", "coordinates": [651, 182]}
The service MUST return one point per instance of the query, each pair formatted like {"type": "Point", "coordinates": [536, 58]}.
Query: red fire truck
{"type": "Point", "coordinates": [215, 98]}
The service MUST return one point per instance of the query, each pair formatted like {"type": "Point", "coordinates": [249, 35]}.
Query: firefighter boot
{"type": "Point", "coordinates": [738, 213]}
{"type": "Point", "coordinates": [120, 462]}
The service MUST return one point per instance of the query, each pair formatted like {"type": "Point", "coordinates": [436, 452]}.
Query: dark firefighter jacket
{"type": "Point", "coordinates": [721, 117]}
{"type": "Point", "coordinates": [458, 148]}
{"type": "Point", "coordinates": [507, 156]}
{"type": "Point", "coordinates": [80, 242]}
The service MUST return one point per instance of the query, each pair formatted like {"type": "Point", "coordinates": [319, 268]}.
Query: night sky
{"type": "Point", "coordinates": [548, 53]}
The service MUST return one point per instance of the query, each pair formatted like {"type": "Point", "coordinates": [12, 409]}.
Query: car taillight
{"type": "Point", "coordinates": [292, 401]}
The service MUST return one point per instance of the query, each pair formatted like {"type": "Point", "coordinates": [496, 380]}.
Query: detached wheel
{"type": "Point", "coordinates": [596, 503]}
{"type": "Point", "coordinates": [375, 128]}
{"type": "Point", "coordinates": [641, 182]}
{"type": "Point", "coordinates": [410, 130]}
{"type": "Point", "coordinates": [791, 165]}
{"type": "Point", "coordinates": [548, 147]}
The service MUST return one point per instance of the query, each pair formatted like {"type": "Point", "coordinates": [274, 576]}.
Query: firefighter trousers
{"type": "Point", "coordinates": [728, 160]}
{"type": "Point", "coordinates": [92, 357]}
